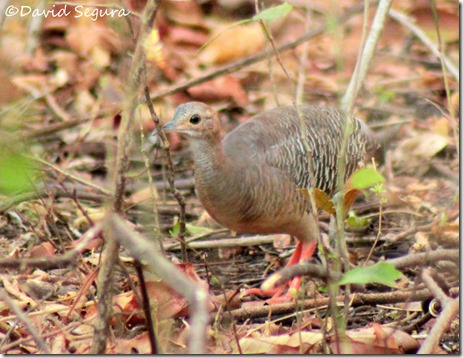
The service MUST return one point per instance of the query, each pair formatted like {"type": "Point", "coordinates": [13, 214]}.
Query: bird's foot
{"type": "Point", "coordinates": [288, 291]}
{"type": "Point", "coordinates": [285, 293]}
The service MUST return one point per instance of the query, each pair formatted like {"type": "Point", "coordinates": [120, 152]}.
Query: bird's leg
{"type": "Point", "coordinates": [304, 251]}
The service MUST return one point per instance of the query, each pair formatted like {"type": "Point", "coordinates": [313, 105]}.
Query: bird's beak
{"type": "Point", "coordinates": [168, 127]}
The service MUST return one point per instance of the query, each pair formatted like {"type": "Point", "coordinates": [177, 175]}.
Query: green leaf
{"type": "Point", "coordinates": [273, 13]}
{"type": "Point", "coordinates": [382, 272]}
{"type": "Point", "coordinates": [15, 172]}
{"type": "Point", "coordinates": [175, 230]}
{"type": "Point", "coordinates": [191, 230]}
{"type": "Point", "coordinates": [365, 178]}
{"type": "Point", "coordinates": [357, 222]}
{"type": "Point", "coordinates": [198, 230]}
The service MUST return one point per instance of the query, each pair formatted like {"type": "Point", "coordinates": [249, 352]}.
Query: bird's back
{"type": "Point", "coordinates": [277, 138]}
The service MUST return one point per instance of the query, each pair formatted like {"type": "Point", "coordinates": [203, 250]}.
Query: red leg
{"type": "Point", "coordinates": [304, 251]}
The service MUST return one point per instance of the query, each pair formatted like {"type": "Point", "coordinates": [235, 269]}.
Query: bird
{"type": "Point", "coordinates": [250, 179]}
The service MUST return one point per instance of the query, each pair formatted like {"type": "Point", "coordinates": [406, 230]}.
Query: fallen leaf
{"type": "Point", "coordinates": [257, 343]}
{"type": "Point", "coordinates": [45, 249]}
{"type": "Point", "coordinates": [224, 87]}
{"type": "Point", "coordinates": [373, 340]}
{"type": "Point", "coordinates": [166, 302]}
{"type": "Point", "coordinates": [232, 43]}
{"type": "Point", "coordinates": [137, 345]}
{"type": "Point", "coordinates": [417, 150]}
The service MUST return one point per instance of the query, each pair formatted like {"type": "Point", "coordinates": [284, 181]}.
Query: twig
{"type": "Point", "coordinates": [434, 287]}
{"type": "Point", "coordinates": [154, 193]}
{"type": "Point", "coordinates": [146, 308]}
{"type": "Point", "coordinates": [360, 299]}
{"type": "Point", "coordinates": [71, 176]}
{"type": "Point", "coordinates": [362, 66]}
{"type": "Point", "coordinates": [451, 309]}
{"type": "Point", "coordinates": [25, 321]}
{"type": "Point", "coordinates": [446, 172]}
{"type": "Point", "coordinates": [53, 128]}
{"type": "Point", "coordinates": [56, 108]}
{"type": "Point", "coordinates": [234, 66]}
{"type": "Point", "coordinates": [440, 326]}
{"type": "Point", "coordinates": [111, 249]}
{"type": "Point", "coordinates": [450, 105]}
{"type": "Point", "coordinates": [415, 229]}
{"type": "Point", "coordinates": [221, 243]}
{"type": "Point", "coordinates": [41, 191]}
{"type": "Point", "coordinates": [305, 268]}
{"type": "Point", "coordinates": [302, 63]}
{"type": "Point", "coordinates": [143, 249]}
{"type": "Point", "coordinates": [408, 23]}
{"type": "Point", "coordinates": [170, 177]}
{"type": "Point", "coordinates": [425, 258]}
{"type": "Point", "coordinates": [69, 258]}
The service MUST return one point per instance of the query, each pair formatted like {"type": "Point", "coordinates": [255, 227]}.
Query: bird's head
{"type": "Point", "coordinates": [196, 120]}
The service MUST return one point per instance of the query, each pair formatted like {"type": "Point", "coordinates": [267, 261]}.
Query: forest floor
{"type": "Point", "coordinates": [61, 98]}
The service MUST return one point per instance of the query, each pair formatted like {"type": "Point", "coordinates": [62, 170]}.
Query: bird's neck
{"type": "Point", "coordinates": [207, 153]}
{"type": "Point", "coordinates": [208, 156]}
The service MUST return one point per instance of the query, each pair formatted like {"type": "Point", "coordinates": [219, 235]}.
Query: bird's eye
{"type": "Point", "coordinates": [195, 119]}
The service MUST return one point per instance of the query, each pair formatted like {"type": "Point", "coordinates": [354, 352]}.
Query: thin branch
{"type": "Point", "coordinates": [364, 62]}
{"type": "Point", "coordinates": [170, 177]}
{"type": "Point", "coordinates": [222, 243]}
{"type": "Point", "coordinates": [450, 311]}
{"type": "Point", "coordinates": [143, 249]}
{"type": "Point", "coordinates": [234, 66]}
{"type": "Point", "coordinates": [71, 176]}
{"type": "Point", "coordinates": [111, 249]}
{"type": "Point", "coordinates": [440, 326]}
{"type": "Point", "coordinates": [307, 268]}
{"type": "Point", "coordinates": [147, 308]}
{"type": "Point", "coordinates": [69, 258]}
{"type": "Point", "coordinates": [302, 63]}
{"type": "Point", "coordinates": [360, 299]}
{"type": "Point", "coordinates": [25, 321]}
{"type": "Point", "coordinates": [408, 23]}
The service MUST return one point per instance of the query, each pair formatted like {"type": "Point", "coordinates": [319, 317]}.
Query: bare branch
{"type": "Point", "coordinates": [143, 249]}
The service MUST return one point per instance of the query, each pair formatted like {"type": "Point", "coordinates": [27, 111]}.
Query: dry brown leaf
{"type": "Point", "coordinates": [179, 35]}
{"type": "Point", "coordinates": [167, 303]}
{"type": "Point", "coordinates": [33, 84]}
{"type": "Point", "coordinates": [421, 241]}
{"type": "Point", "coordinates": [137, 345]}
{"type": "Point", "coordinates": [448, 21]}
{"type": "Point", "coordinates": [58, 344]}
{"type": "Point", "coordinates": [321, 83]}
{"type": "Point", "coordinates": [323, 201]}
{"type": "Point", "coordinates": [373, 340]}
{"type": "Point", "coordinates": [184, 12]}
{"type": "Point", "coordinates": [349, 198]}
{"type": "Point", "coordinates": [142, 195]}
{"type": "Point", "coordinates": [224, 87]}
{"type": "Point", "coordinates": [448, 234]}
{"type": "Point", "coordinates": [237, 42]}
{"type": "Point", "coordinates": [412, 153]}
{"type": "Point", "coordinates": [45, 249]}
{"type": "Point", "coordinates": [84, 37]}
{"type": "Point", "coordinates": [13, 289]}
{"type": "Point", "coordinates": [257, 343]}
{"type": "Point", "coordinates": [440, 126]}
